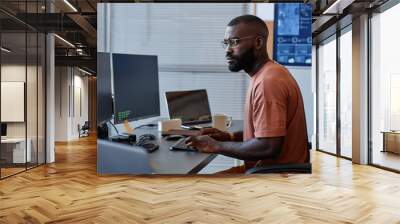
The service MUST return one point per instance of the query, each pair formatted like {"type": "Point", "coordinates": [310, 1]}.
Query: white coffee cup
{"type": "Point", "coordinates": [221, 122]}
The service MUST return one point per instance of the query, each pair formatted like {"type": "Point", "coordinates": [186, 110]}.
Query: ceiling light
{"type": "Point", "coordinates": [65, 41]}
{"type": "Point", "coordinates": [5, 49]}
{"type": "Point", "coordinates": [70, 5]}
{"type": "Point", "coordinates": [84, 71]}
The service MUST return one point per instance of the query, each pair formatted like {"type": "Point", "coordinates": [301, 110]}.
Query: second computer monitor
{"type": "Point", "coordinates": [136, 87]}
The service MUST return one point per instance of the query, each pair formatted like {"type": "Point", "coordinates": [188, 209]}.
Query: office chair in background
{"type": "Point", "coordinates": [84, 130]}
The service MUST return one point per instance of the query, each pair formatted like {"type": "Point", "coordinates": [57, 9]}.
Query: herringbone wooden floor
{"type": "Point", "coordinates": [70, 191]}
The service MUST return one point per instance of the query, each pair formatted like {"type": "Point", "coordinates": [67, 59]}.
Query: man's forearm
{"type": "Point", "coordinates": [250, 150]}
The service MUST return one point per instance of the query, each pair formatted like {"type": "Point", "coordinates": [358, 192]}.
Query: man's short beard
{"type": "Point", "coordinates": [246, 60]}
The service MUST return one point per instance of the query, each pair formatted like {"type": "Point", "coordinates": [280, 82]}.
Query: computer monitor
{"type": "Point", "coordinates": [136, 87]}
{"type": "Point", "coordinates": [104, 94]}
{"type": "Point", "coordinates": [3, 129]}
{"type": "Point", "coordinates": [192, 106]}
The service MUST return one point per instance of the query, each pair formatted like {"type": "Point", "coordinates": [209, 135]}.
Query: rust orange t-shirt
{"type": "Point", "coordinates": [274, 107]}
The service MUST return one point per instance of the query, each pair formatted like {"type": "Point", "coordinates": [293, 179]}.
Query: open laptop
{"type": "Point", "coordinates": [191, 106]}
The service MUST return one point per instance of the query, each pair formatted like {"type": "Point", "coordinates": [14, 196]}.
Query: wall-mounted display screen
{"type": "Point", "coordinates": [292, 38]}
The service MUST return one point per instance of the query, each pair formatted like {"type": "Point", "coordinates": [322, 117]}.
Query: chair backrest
{"type": "Point", "coordinates": [86, 125]}
{"type": "Point", "coordinates": [118, 158]}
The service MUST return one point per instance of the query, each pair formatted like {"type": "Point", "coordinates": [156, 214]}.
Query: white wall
{"type": "Point", "coordinates": [265, 11]}
{"type": "Point", "coordinates": [303, 77]}
{"type": "Point", "coordinates": [61, 103]}
{"type": "Point", "coordinates": [79, 117]}
{"type": "Point", "coordinates": [70, 83]}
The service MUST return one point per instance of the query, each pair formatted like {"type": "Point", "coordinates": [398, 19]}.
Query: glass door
{"type": "Point", "coordinates": [346, 72]}
{"type": "Point", "coordinates": [326, 136]}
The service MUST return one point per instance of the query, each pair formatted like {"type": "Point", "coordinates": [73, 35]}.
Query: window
{"type": "Point", "coordinates": [346, 93]}
{"type": "Point", "coordinates": [385, 89]}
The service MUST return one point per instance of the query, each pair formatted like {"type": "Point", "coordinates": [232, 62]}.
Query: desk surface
{"type": "Point", "coordinates": [165, 161]}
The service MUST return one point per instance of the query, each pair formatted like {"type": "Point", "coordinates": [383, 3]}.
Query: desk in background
{"type": "Point", "coordinates": [391, 141]}
{"type": "Point", "coordinates": [13, 150]}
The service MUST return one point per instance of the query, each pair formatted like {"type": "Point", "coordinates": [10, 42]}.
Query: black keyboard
{"type": "Point", "coordinates": [181, 145]}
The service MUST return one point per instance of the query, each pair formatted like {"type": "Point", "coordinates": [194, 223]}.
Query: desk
{"type": "Point", "coordinates": [163, 160]}
{"type": "Point", "coordinates": [13, 150]}
{"type": "Point", "coordinates": [391, 141]}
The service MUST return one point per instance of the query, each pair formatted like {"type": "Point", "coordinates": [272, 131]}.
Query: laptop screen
{"type": "Point", "coordinates": [191, 107]}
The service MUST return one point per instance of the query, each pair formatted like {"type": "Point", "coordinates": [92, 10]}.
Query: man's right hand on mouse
{"type": "Point", "coordinates": [216, 134]}
{"type": "Point", "coordinates": [203, 143]}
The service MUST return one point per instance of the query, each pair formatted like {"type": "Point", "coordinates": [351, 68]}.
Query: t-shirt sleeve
{"type": "Point", "coordinates": [270, 108]}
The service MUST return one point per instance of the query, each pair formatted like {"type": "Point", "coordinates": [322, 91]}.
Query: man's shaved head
{"type": "Point", "coordinates": [256, 25]}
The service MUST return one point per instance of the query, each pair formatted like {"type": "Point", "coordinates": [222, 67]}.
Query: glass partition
{"type": "Point", "coordinates": [13, 108]}
{"type": "Point", "coordinates": [346, 93]}
{"type": "Point", "coordinates": [22, 88]}
{"type": "Point", "coordinates": [31, 98]}
{"type": "Point", "coordinates": [327, 96]}
{"type": "Point", "coordinates": [41, 91]}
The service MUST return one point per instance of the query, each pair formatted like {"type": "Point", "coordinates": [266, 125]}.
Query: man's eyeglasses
{"type": "Point", "coordinates": [233, 42]}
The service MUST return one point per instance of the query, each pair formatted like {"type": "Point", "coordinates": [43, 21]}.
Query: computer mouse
{"type": "Point", "coordinates": [173, 137]}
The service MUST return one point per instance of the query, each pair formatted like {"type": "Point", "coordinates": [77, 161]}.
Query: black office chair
{"type": "Point", "coordinates": [285, 168]}
{"type": "Point", "coordinates": [84, 130]}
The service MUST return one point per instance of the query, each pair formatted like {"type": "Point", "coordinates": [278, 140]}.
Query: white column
{"type": "Point", "coordinates": [50, 99]}
{"type": "Point", "coordinates": [360, 90]}
{"type": "Point", "coordinates": [313, 134]}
